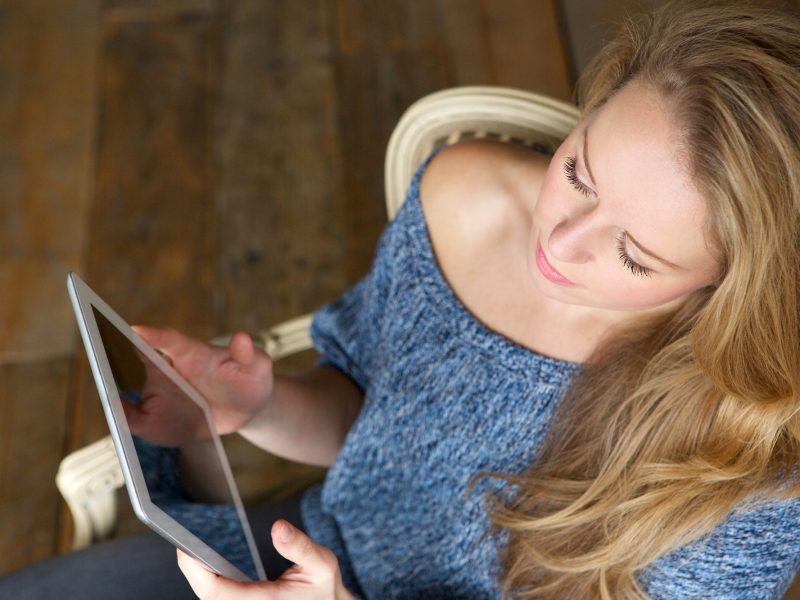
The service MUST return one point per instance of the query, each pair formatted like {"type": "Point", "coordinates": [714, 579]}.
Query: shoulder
{"type": "Point", "coordinates": [754, 553]}
{"type": "Point", "coordinates": [473, 188]}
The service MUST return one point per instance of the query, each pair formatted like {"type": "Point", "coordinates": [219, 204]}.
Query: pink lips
{"type": "Point", "coordinates": [547, 269]}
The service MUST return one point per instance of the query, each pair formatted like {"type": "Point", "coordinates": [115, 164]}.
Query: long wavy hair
{"type": "Point", "coordinates": [677, 420]}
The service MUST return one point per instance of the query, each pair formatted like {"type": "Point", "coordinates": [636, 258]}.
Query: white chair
{"type": "Point", "coordinates": [88, 478]}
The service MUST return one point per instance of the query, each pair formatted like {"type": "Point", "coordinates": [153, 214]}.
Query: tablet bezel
{"type": "Point", "coordinates": [84, 299]}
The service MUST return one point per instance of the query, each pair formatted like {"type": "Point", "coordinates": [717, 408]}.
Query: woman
{"type": "Point", "coordinates": [602, 343]}
{"type": "Point", "coordinates": [659, 249]}
{"type": "Point", "coordinates": [685, 416]}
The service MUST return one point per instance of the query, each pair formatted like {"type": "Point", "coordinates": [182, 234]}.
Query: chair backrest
{"type": "Point", "coordinates": [455, 114]}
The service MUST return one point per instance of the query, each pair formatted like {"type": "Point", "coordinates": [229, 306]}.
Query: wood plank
{"type": "Point", "coordinates": [279, 252]}
{"type": "Point", "coordinates": [152, 225]}
{"type": "Point", "coordinates": [469, 61]}
{"type": "Point", "coordinates": [150, 10]}
{"type": "Point", "coordinates": [33, 408]}
{"type": "Point", "coordinates": [525, 46]}
{"type": "Point", "coordinates": [515, 43]}
{"type": "Point", "coordinates": [387, 26]}
{"type": "Point", "coordinates": [48, 58]}
{"type": "Point", "coordinates": [375, 86]}
{"type": "Point", "coordinates": [589, 25]}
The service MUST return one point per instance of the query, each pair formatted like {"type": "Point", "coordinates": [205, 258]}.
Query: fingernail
{"type": "Point", "coordinates": [285, 532]}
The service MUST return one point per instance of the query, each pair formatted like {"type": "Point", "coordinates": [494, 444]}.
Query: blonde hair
{"type": "Point", "coordinates": [678, 419]}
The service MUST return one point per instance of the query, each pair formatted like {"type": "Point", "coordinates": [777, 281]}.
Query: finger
{"type": "Point", "coordinates": [210, 586]}
{"type": "Point", "coordinates": [163, 339]}
{"type": "Point", "coordinates": [296, 546]}
{"type": "Point", "coordinates": [147, 333]}
{"type": "Point", "coordinates": [203, 582]}
{"type": "Point", "coordinates": [242, 349]}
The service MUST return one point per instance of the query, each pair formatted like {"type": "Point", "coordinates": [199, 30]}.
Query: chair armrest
{"type": "Point", "coordinates": [284, 339]}
{"type": "Point", "coordinates": [88, 479]}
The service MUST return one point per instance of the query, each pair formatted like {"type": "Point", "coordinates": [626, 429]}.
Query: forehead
{"type": "Point", "coordinates": [634, 150]}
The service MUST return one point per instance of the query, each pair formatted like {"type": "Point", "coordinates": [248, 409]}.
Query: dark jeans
{"type": "Point", "coordinates": [136, 567]}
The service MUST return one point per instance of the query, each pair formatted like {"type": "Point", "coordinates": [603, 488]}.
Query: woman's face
{"type": "Point", "coordinates": [618, 224]}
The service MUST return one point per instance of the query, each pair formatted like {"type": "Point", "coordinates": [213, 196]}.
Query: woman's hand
{"type": "Point", "coordinates": [315, 575]}
{"type": "Point", "coordinates": [237, 382]}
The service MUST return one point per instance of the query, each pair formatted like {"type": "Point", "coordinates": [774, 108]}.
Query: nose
{"type": "Point", "coordinates": [571, 240]}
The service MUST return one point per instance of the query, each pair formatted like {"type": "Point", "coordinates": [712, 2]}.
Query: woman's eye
{"type": "Point", "coordinates": [634, 267]}
{"type": "Point", "coordinates": [572, 177]}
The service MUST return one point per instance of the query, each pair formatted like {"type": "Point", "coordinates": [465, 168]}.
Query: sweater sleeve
{"type": "Point", "coordinates": [346, 332]}
{"type": "Point", "coordinates": [753, 555]}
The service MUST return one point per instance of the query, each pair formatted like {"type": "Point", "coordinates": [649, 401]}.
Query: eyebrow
{"type": "Point", "coordinates": [644, 250]}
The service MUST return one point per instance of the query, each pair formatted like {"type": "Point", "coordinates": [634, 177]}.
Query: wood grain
{"type": "Point", "coordinates": [375, 84]}
{"type": "Point", "coordinates": [152, 222]}
{"type": "Point", "coordinates": [464, 36]}
{"type": "Point", "coordinates": [33, 406]}
{"type": "Point", "coordinates": [516, 43]}
{"type": "Point", "coordinates": [525, 46]}
{"type": "Point", "coordinates": [279, 171]}
{"type": "Point", "coordinates": [48, 60]}
{"type": "Point", "coordinates": [279, 168]}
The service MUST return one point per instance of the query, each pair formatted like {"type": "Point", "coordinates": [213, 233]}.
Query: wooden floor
{"type": "Point", "coordinates": [211, 165]}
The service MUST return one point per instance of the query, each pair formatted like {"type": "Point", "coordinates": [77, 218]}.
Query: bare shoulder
{"type": "Point", "coordinates": [472, 191]}
{"type": "Point", "coordinates": [479, 199]}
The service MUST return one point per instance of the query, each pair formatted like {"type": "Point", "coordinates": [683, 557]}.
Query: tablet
{"type": "Point", "coordinates": [175, 468]}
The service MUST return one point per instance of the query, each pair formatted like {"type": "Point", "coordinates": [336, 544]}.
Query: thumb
{"type": "Point", "coordinates": [296, 546]}
{"type": "Point", "coordinates": [206, 584]}
{"type": "Point", "coordinates": [241, 348]}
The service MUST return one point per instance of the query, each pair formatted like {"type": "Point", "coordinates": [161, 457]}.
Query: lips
{"type": "Point", "coordinates": [547, 269]}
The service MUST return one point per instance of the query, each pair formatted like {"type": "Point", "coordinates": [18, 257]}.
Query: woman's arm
{"type": "Point", "coordinates": [304, 418]}
{"type": "Point", "coordinates": [307, 417]}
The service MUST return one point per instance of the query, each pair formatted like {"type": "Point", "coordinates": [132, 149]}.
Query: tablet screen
{"type": "Point", "coordinates": [175, 447]}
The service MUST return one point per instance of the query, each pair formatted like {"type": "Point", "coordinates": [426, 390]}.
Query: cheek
{"type": "Point", "coordinates": [633, 293]}
{"type": "Point", "coordinates": [640, 296]}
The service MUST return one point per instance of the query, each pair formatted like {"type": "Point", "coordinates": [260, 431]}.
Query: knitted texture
{"type": "Point", "coordinates": [445, 398]}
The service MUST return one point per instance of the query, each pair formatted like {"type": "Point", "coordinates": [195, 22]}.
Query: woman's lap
{"type": "Point", "coordinates": [136, 567]}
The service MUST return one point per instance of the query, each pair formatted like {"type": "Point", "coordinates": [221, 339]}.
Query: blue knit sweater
{"type": "Point", "coordinates": [446, 398]}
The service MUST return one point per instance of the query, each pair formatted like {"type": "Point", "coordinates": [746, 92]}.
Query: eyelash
{"type": "Point", "coordinates": [635, 267]}
{"type": "Point", "coordinates": [572, 177]}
